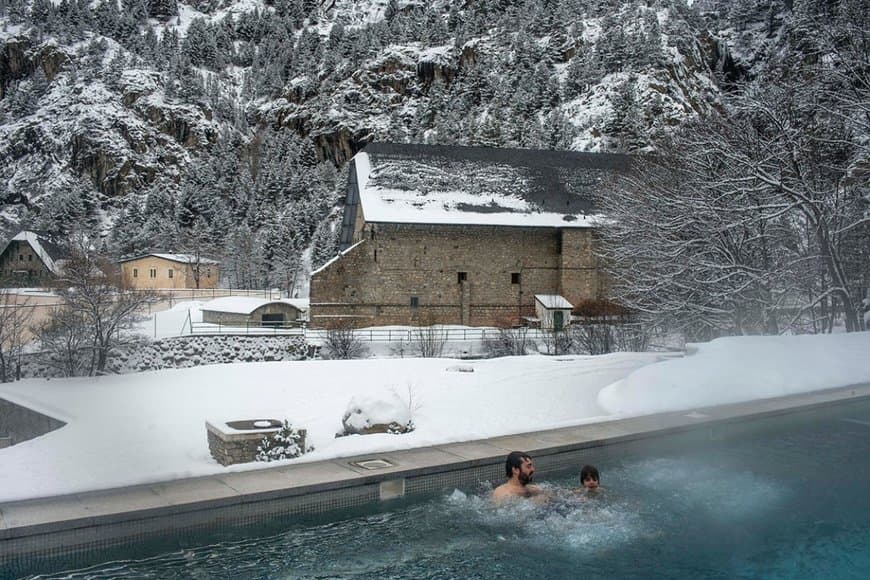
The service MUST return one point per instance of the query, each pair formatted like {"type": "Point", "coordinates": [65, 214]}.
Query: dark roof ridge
{"type": "Point", "coordinates": [512, 156]}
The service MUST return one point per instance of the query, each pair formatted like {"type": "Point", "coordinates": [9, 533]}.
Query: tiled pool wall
{"type": "Point", "coordinates": [144, 533]}
{"type": "Point", "coordinates": [18, 423]}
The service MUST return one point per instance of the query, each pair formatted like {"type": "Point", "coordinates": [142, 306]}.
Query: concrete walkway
{"type": "Point", "coordinates": [89, 522]}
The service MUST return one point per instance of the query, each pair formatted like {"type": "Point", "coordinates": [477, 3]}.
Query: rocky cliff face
{"type": "Point", "coordinates": [119, 138]}
{"type": "Point", "coordinates": [106, 119]}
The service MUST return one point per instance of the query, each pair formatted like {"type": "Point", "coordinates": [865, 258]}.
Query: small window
{"type": "Point", "coordinates": [135, 272]}
{"type": "Point", "coordinates": [415, 301]}
{"type": "Point", "coordinates": [169, 273]}
{"type": "Point", "coordinates": [152, 273]}
{"type": "Point", "coordinates": [515, 277]}
{"type": "Point", "coordinates": [273, 319]}
{"type": "Point", "coordinates": [208, 273]}
{"type": "Point", "coordinates": [461, 277]}
{"type": "Point", "coordinates": [29, 257]}
{"type": "Point", "coordinates": [20, 257]}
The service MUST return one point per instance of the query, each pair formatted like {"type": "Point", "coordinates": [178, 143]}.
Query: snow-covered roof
{"type": "Point", "coordinates": [180, 258]}
{"type": "Point", "coordinates": [336, 257]}
{"type": "Point", "coordinates": [247, 304]}
{"type": "Point", "coordinates": [553, 301]}
{"type": "Point", "coordinates": [430, 184]}
{"type": "Point", "coordinates": [51, 254]}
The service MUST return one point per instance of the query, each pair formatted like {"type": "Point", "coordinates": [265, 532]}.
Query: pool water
{"type": "Point", "coordinates": [790, 500]}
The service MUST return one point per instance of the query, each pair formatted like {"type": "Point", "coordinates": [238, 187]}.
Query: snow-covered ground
{"type": "Point", "coordinates": [172, 322]}
{"type": "Point", "coordinates": [149, 427]}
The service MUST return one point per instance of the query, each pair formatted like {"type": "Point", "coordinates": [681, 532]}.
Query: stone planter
{"type": "Point", "coordinates": [237, 441]}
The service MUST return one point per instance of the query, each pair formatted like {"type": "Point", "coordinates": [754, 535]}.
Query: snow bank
{"type": "Point", "coordinates": [730, 370]}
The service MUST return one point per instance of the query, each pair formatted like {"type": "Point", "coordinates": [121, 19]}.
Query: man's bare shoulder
{"type": "Point", "coordinates": [503, 491]}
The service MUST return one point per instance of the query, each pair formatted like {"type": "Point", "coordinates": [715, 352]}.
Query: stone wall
{"type": "Point", "coordinates": [19, 423]}
{"type": "Point", "coordinates": [504, 267]}
{"type": "Point", "coordinates": [580, 276]}
{"type": "Point", "coordinates": [185, 352]}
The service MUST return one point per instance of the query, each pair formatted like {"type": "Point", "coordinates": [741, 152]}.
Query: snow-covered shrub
{"type": "Point", "coordinates": [509, 342]}
{"type": "Point", "coordinates": [428, 341]}
{"type": "Point", "coordinates": [556, 342]}
{"type": "Point", "coordinates": [388, 413]}
{"type": "Point", "coordinates": [400, 347]}
{"type": "Point", "coordinates": [343, 343]}
{"type": "Point", "coordinates": [286, 443]}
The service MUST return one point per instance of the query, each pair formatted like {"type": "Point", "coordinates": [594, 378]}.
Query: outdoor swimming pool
{"type": "Point", "coordinates": [783, 498]}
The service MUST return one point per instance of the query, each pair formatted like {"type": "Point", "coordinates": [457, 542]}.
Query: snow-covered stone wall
{"type": "Point", "coordinates": [189, 351]}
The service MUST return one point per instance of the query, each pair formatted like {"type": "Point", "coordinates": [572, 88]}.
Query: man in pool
{"type": "Point", "coordinates": [519, 470]}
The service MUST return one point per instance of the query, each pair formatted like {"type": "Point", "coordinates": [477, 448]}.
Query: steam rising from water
{"type": "Point", "coordinates": [703, 490]}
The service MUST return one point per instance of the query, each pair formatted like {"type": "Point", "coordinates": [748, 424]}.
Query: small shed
{"type": "Point", "coordinates": [553, 311]}
{"type": "Point", "coordinates": [249, 310]}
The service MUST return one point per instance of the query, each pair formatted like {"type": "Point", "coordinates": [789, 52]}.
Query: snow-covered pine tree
{"type": "Point", "coordinates": [162, 9]}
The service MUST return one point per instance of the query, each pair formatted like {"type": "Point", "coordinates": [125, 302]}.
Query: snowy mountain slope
{"type": "Point", "coordinates": [114, 103]}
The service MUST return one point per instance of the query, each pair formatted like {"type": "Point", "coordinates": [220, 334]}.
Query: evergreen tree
{"type": "Point", "coordinates": [107, 17]}
{"type": "Point", "coordinates": [128, 234]}
{"type": "Point", "coordinates": [162, 10]}
{"type": "Point", "coordinates": [324, 242]}
{"type": "Point", "coordinates": [67, 208]}
{"type": "Point", "coordinates": [114, 70]}
{"type": "Point", "coordinates": [42, 14]}
{"type": "Point", "coordinates": [200, 46]}
{"type": "Point", "coordinates": [625, 125]}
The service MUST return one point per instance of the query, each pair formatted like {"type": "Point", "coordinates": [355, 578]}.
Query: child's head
{"type": "Point", "coordinates": [589, 477]}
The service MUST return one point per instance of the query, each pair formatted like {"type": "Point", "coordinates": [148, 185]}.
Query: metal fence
{"type": "Point", "coordinates": [246, 329]}
{"type": "Point", "coordinates": [368, 335]}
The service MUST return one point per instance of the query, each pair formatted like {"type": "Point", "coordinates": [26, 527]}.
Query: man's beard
{"type": "Point", "coordinates": [524, 479]}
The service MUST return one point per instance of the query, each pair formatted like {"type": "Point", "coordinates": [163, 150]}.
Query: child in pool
{"type": "Point", "coordinates": [589, 480]}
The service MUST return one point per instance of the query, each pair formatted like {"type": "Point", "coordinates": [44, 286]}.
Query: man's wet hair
{"type": "Point", "coordinates": [514, 459]}
{"type": "Point", "coordinates": [589, 472]}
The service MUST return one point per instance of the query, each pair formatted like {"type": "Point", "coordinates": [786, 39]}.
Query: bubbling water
{"type": "Point", "coordinates": [568, 520]}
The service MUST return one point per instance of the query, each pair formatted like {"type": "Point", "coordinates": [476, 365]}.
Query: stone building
{"type": "Point", "coordinates": [462, 235]}
{"type": "Point", "coordinates": [162, 271]}
{"type": "Point", "coordinates": [32, 259]}
{"type": "Point", "coordinates": [249, 310]}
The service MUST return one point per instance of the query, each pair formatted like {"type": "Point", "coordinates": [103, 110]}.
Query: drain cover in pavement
{"type": "Point", "coordinates": [373, 464]}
